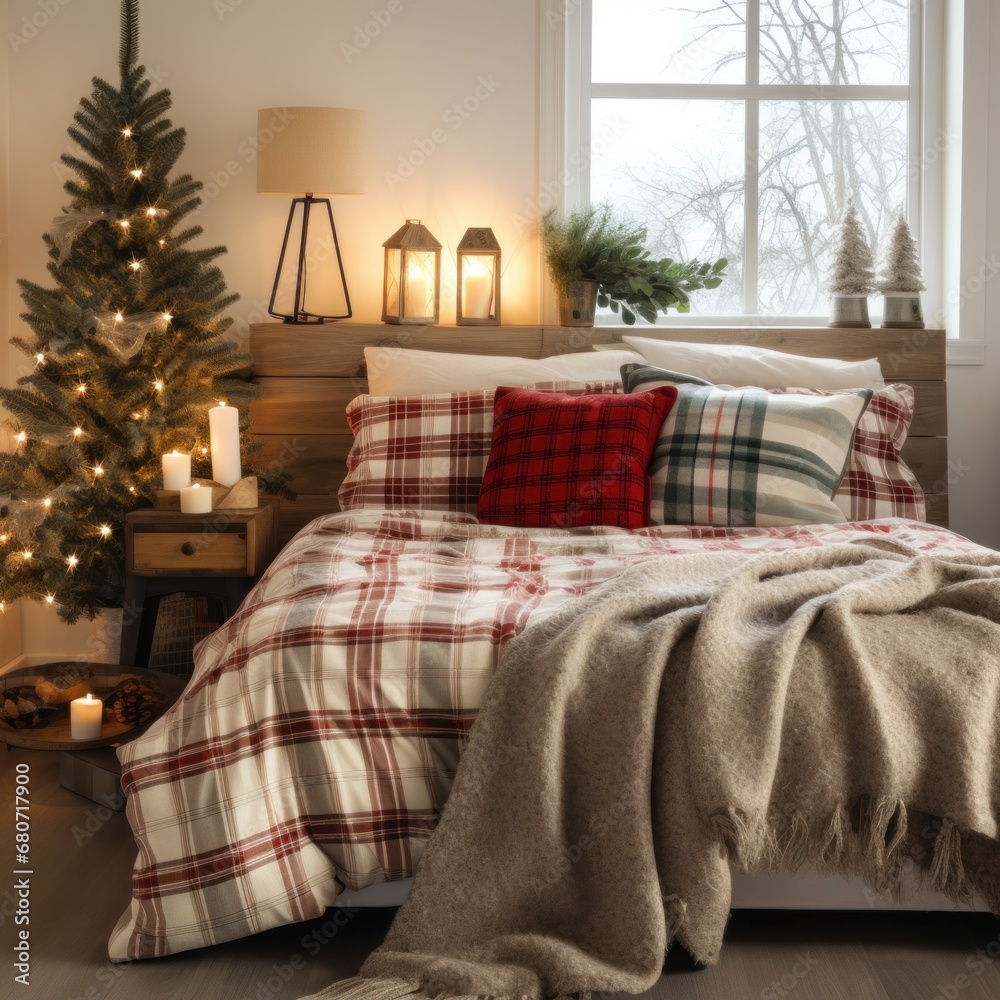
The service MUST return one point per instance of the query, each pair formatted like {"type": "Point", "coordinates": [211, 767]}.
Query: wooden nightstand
{"type": "Point", "coordinates": [222, 553]}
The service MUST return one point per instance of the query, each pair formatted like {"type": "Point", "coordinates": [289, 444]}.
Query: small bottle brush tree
{"type": "Point", "coordinates": [853, 266]}
{"type": "Point", "coordinates": [128, 353]}
{"type": "Point", "coordinates": [901, 272]}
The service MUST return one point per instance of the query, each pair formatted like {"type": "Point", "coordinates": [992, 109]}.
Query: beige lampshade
{"type": "Point", "coordinates": [310, 151]}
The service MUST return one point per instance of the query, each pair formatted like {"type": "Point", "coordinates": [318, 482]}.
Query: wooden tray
{"type": "Point", "coordinates": [55, 734]}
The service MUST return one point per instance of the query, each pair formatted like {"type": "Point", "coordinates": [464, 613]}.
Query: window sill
{"type": "Point", "coordinates": [965, 352]}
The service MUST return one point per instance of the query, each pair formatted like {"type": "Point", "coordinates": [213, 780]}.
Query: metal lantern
{"type": "Point", "coordinates": [477, 301]}
{"type": "Point", "coordinates": [411, 290]}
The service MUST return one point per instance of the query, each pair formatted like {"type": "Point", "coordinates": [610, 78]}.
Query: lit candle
{"type": "Point", "coordinates": [416, 293]}
{"type": "Point", "coordinates": [176, 470]}
{"type": "Point", "coordinates": [224, 425]}
{"type": "Point", "coordinates": [477, 287]}
{"type": "Point", "coordinates": [195, 500]}
{"type": "Point", "coordinates": [85, 716]}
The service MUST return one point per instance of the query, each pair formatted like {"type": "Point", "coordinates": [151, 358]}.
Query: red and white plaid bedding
{"type": "Point", "coordinates": [316, 743]}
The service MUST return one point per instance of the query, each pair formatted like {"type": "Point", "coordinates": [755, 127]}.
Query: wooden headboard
{"type": "Point", "coordinates": [310, 373]}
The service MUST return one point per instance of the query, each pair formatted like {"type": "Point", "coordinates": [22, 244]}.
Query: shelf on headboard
{"type": "Point", "coordinates": [309, 373]}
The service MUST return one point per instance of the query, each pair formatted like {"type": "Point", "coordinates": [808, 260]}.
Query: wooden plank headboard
{"type": "Point", "coordinates": [310, 373]}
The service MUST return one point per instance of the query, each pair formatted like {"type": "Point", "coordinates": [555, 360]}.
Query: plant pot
{"type": "Point", "coordinates": [902, 311]}
{"type": "Point", "coordinates": [579, 303]}
{"type": "Point", "coordinates": [850, 312]}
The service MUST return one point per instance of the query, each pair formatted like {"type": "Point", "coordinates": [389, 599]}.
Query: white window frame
{"type": "Point", "coordinates": [949, 57]}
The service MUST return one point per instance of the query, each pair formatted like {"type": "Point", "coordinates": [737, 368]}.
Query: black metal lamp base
{"type": "Point", "coordinates": [300, 315]}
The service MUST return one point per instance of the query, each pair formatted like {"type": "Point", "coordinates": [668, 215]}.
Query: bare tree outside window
{"type": "Point", "coordinates": [720, 137]}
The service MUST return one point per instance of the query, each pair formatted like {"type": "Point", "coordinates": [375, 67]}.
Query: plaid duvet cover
{"type": "Point", "coordinates": [315, 745]}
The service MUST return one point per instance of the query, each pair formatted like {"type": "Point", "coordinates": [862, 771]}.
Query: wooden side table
{"type": "Point", "coordinates": [222, 553]}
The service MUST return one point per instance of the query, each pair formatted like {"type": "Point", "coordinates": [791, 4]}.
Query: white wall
{"type": "Point", "coordinates": [224, 59]}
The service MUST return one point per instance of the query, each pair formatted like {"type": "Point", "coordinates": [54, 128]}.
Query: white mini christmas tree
{"type": "Point", "coordinates": [853, 265]}
{"type": "Point", "coordinates": [901, 272]}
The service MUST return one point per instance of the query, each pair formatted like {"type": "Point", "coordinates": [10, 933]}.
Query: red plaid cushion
{"type": "Point", "coordinates": [565, 462]}
{"type": "Point", "coordinates": [427, 452]}
{"type": "Point", "coordinates": [878, 483]}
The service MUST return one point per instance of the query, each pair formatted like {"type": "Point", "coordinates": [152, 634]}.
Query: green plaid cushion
{"type": "Point", "coordinates": [746, 457]}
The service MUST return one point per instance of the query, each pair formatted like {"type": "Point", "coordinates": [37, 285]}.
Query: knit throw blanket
{"type": "Point", "coordinates": [833, 709]}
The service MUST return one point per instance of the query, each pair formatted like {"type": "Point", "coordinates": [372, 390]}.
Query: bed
{"type": "Point", "coordinates": [363, 654]}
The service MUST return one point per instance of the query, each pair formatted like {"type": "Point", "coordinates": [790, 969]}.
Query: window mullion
{"type": "Point", "coordinates": [751, 174]}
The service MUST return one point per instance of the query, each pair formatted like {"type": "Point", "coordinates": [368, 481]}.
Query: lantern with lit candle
{"type": "Point", "coordinates": [477, 300]}
{"type": "Point", "coordinates": [411, 289]}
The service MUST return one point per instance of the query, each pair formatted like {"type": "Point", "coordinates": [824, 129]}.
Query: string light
{"type": "Point", "coordinates": [21, 437]}
{"type": "Point", "coordinates": [124, 223]}
{"type": "Point", "coordinates": [39, 359]}
{"type": "Point", "coordinates": [47, 502]}
{"type": "Point", "coordinates": [118, 317]}
{"type": "Point", "coordinates": [135, 264]}
{"type": "Point", "coordinates": [4, 538]}
{"type": "Point", "coordinates": [3, 609]}
{"type": "Point", "coordinates": [81, 388]}
{"type": "Point", "coordinates": [167, 317]}
{"type": "Point", "coordinates": [158, 385]}
{"type": "Point", "coordinates": [137, 173]}
{"type": "Point", "coordinates": [151, 212]}
{"type": "Point", "coordinates": [27, 555]}
{"type": "Point", "coordinates": [131, 489]}
{"type": "Point", "coordinates": [163, 243]}
{"type": "Point", "coordinates": [105, 531]}
{"type": "Point", "coordinates": [77, 432]}
{"type": "Point", "coordinates": [204, 451]}
{"type": "Point", "coordinates": [72, 562]}
{"type": "Point", "coordinates": [98, 470]}
{"type": "Point", "coordinates": [137, 416]}
{"type": "Point", "coordinates": [50, 598]}
{"type": "Point", "coordinates": [127, 132]}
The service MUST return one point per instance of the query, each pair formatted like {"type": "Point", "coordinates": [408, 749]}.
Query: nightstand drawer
{"type": "Point", "coordinates": [175, 553]}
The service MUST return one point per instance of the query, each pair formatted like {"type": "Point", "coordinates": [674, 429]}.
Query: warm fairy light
{"type": "Point", "coordinates": [137, 416]}
{"type": "Point", "coordinates": [50, 598]}
{"type": "Point", "coordinates": [131, 489]}
{"type": "Point", "coordinates": [118, 317]}
{"type": "Point", "coordinates": [39, 359]}
{"type": "Point", "coordinates": [21, 437]}
{"type": "Point", "coordinates": [158, 385]}
{"type": "Point", "coordinates": [77, 432]}
{"type": "Point", "coordinates": [27, 555]}
{"type": "Point", "coordinates": [204, 451]}
{"type": "Point", "coordinates": [124, 223]}
{"type": "Point", "coordinates": [135, 264]}
{"type": "Point", "coordinates": [127, 132]}
{"type": "Point", "coordinates": [82, 388]}
{"type": "Point", "coordinates": [105, 531]}
{"type": "Point", "coordinates": [72, 562]}
{"type": "Point", "coordinates": [151, 212]}
{"type": "Point", "coordinates": [137, 173]}
{"type": "Point", "coordinates": [4, 538]}
{"type": "Point", "coordinates": [47, 502]}
{"type": "Point", "coordinates": [167, 317]}
{"type": "Point", "coordinates": [98, 470]}
{"type": "Point", "coordinates": [163, 243]}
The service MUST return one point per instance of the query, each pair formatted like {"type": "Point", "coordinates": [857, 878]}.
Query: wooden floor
{"type": "Point", "coordinates": [81, 859]}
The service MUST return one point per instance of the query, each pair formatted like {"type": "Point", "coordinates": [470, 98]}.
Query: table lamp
{"type": "Point", "coordinates": [302, 151]}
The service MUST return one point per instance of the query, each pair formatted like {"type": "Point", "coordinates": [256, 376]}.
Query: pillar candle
{"type": "Point", "coordinates": [85, 717]}
{"type": "Point", "coordinates": [416, 293]}
{"type": "Point", "coordinates": [476, 295]}
{"type": "Point", "coordinates": [196, 500]}
{"type": "Point", "coordinates": [224, 424]}
{"type": "Point", "coordinates": [176, 470]}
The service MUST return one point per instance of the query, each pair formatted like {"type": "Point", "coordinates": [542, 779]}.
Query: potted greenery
{"type": "Point", "coordinates": [901, 282]}
{"type": "Point", "coordinates": [595, 259]}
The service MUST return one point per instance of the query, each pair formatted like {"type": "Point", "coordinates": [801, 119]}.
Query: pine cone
{"type": "Point", "coordinates": [135, 700]}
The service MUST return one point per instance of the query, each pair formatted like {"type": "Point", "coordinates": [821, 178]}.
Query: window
{"type": "Point", "coordinates": [740, 128]}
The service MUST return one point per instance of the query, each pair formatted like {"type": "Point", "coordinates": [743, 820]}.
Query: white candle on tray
{"type": "Point", "coordinates": [196, 500]}
{"type": "Point", "coordinates": [224, 424]}
{"type": "Point", "coordinates": [85, 717]}
{"type": "Point", "coordinates": [176, 470]}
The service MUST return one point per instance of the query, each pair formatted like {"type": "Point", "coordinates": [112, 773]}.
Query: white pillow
{"type": "Point", "coordinates": [393, 371]}
{"type": "Point", "coordinates": [742, 365]}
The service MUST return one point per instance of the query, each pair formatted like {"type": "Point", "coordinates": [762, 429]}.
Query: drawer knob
{"type": "Point", "coordinates": [189, 548]}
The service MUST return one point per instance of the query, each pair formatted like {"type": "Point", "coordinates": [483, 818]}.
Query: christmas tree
{"type": "Point", "coordinates": [853, 266]}
{"type": "Point", "coordinates": [902, 265]}
{"type": "Point", "coordinates": [129, 351]}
